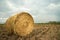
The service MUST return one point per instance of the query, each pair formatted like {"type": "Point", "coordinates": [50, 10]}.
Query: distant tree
{"type": "Point", "coordinates": [53, 22]}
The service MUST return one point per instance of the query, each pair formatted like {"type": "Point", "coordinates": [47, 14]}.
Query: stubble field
{"type": "Point", "coordinates": [42, 31]}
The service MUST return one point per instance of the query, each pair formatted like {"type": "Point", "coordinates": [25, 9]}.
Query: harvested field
{"type": "Point", "coordinates": [40, 32]}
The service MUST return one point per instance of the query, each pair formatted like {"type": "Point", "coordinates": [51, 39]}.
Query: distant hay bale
{"type": "Point", "coordinates": [22, 24]}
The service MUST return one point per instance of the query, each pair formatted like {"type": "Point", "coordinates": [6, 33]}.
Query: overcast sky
{"type": "Point", "coordinates": [41, 10]}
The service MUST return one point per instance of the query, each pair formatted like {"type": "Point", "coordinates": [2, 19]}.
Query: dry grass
{"type": "Point", "coordinates": [40, 32]}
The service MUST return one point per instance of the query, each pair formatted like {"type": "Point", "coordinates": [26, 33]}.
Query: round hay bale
{"type": "Point", "coordinates": [9, 24]}
{"type": "Point", "coordinates": [23, 24]}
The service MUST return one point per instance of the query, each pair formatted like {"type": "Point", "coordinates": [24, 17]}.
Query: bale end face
{"type": "Point", "coordinates": [24, 24]}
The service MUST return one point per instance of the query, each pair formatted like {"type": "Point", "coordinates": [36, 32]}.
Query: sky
{"type": "Point", "coordinates": [41, 10]}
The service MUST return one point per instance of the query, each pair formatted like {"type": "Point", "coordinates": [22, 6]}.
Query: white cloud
{"type": "Point", "coordinates": [53, 6]}
{"type": "Point", "coordinates": [23, 8]}
{"type": "Point", "coordinates": [11, 6]}
{"type": "Point", "coordinates": [41, 10]}
{"type": "Point", "coordinates": [3, 18]}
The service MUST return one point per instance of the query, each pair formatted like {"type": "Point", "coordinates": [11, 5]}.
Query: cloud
{"type": "Point", "coordinates": [53, 6]}
{"type": "Point", "coordinates": [3, 6]}
{"type": "Point", "coordinates": [17, 2]}
{"type": "Point", "coordinates": [3, 20]}
{"type": "Point", "coordinates": [55, 1]}
{"type": "Point", "coordinates": [41, 10]}
{"type": "Point", "coordinates": [10, 5]}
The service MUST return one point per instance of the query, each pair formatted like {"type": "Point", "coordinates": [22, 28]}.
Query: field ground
{"type": "Point", "coordinates": [41, 32]}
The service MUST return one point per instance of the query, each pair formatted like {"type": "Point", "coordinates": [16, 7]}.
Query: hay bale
{"type": "Point", "coordinates": [9, 24]}
{"type": "Point", "coordinates": [24, 24]}
{"type": "Point", "coordinates": [21, 24]}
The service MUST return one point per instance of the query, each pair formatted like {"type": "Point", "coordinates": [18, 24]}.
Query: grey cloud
{"type": "Point", "coordinates": [3, 6]}
{"type": "Point", "coordinates": [38, 9]}
{"type": "Point", "coordinates": [17, 2]}
{"type": "Point", "coordinates": [55, 1]}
